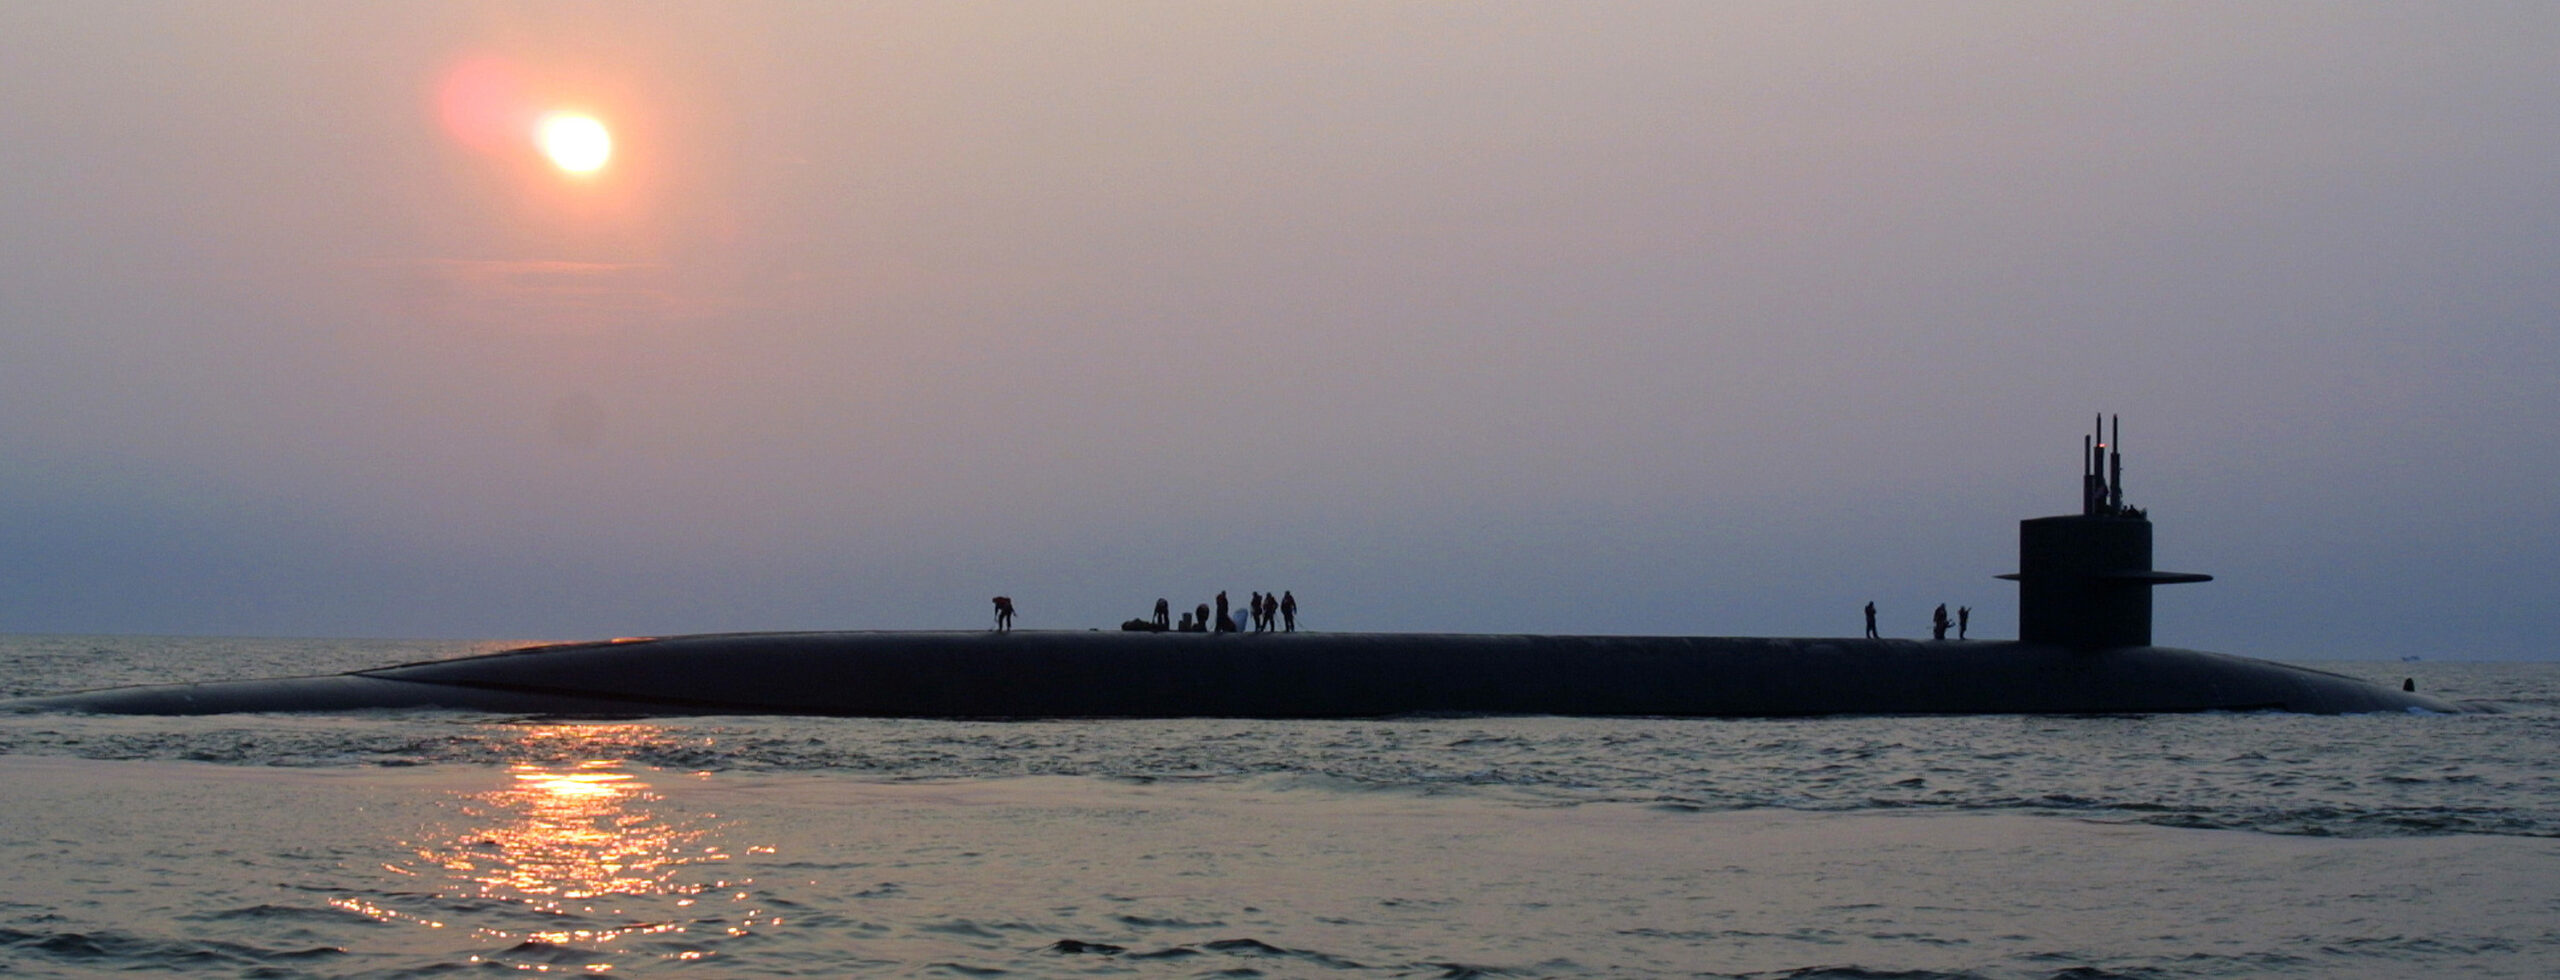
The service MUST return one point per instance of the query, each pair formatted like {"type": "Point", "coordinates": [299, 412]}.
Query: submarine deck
{"type": "Point", "coordinates": [1095, 674]}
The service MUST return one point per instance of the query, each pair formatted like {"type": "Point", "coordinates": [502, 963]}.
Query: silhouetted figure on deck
{"type": "Point", "coordinates": [1938, 623]}
{"type": "Point", "coordinates": [2409, 684]}
{"type": "Point", "coordinates": [1871, 621]}
{"type": "Point", "coordinates": [1254, 605]}
{"type": "Point", "coordinates": [1226, 623]}
{"type": "Point", "coordinates": [1004, 614]}
{"type": "Point", "coordinates": [1187, 625]}
{"type": "Point", "coordinates": [1200, 618]}
{"type": "Point", "coordinates": [1964, 620]}
{"type": "Point", "coordinates": [1289, 609]}
{"type": "Point", "coordinates": [1147, 624]}
{"type": "Point", "coordinates": [1164, 614]}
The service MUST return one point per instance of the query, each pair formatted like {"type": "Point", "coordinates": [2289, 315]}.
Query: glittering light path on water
{"type": "Point", "coordinates": [595, 863]}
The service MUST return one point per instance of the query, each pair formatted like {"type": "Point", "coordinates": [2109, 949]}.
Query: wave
{"type": "Point", "coordinates": [120, 951]}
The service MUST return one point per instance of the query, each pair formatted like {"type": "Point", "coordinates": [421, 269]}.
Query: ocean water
{"type": "Point", "coordinates": [398, 844]}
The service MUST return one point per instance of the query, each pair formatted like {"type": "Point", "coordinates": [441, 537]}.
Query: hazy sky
{"type": "Point", "coordinates": [1685, 317]}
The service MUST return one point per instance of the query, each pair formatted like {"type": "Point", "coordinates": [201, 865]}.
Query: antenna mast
{"type": "Point", "coordinates": [2088, 475]}
{"type": "Point", "coordinates": [2115, 468]}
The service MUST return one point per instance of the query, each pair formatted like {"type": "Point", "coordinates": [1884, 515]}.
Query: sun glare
{"type": "Point", "coordinates": [575, 143]}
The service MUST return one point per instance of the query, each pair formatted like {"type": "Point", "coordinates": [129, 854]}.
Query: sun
{"type": "Point", "coordinates": [575, 143]}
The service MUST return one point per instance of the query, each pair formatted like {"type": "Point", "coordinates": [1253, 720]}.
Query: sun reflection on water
{"type": "Point", "coordinates": [585, 832]}
{"type": "Point", "coordinates": [578, 859]}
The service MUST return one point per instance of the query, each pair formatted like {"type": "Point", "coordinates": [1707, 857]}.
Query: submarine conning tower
{"type": "Point", "coordinates": [2085, 579]}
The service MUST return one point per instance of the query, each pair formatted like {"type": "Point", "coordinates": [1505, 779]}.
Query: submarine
{"type": "Point", "coordinates": [2083, 647]}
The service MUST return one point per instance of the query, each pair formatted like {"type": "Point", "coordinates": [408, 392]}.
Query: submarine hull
{"type": "Point", "coordinates": [1287, 675]}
